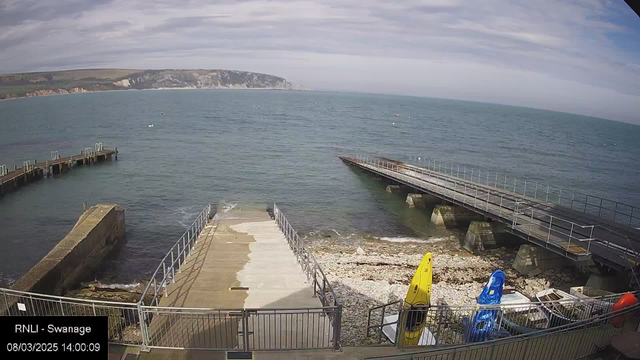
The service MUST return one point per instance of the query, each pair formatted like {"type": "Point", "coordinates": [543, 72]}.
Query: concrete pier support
{"type": "Point", "coordinates": [421, 201]}
{"type": "Point", "coordinates": [479, 237]}
{"type": "Point", "coordinates": [532, 260]}
{"type": "Point", "coordinates": [452, 216]}
{"type": "Point", "coordinates": [397, 189]}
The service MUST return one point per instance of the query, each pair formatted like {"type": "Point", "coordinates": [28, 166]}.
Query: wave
{"type": "Point", "coordinates": [98, 284]}
{"type": "Point", "coordinates": [187, 214]}
{"type": "Point", "coordinates": [412, 239]}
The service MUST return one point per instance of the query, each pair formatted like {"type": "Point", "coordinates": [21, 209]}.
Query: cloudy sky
{"type": "Point", "coordinates": [579, 56]}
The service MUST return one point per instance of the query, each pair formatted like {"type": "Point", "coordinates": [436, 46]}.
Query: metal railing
{"type": "Point", "coordinates": [241, 329]}
{"type": "Point", "coordinates": [151, 326]}
{"type": "Point", "coordinates": [123, 318]}
{"type": "Point", "coordinates": [590, 204]}
{"type": "Point", "coordinates": [448, 325]}
{"type": "Point", "coordinates": [533, 223]}
{"type": "Point", "coordinates": [321, 285]}
{"type": "Point", "coordinates": [567, 342]}
{"type": "Point", "coordinates": [173, 260]}
{"type": "Point", "coordinates": [529, 222]}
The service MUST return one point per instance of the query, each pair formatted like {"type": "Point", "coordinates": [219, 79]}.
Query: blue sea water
{"type": "Point", "coordinates": [261, 147]}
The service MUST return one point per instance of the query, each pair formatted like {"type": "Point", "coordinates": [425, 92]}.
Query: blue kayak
{"type": "Point", "coordinates": [483, 324]}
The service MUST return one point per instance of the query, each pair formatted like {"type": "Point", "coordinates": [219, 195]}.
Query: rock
{"type": "Point", "coordinates": [534, 272]}
{"type": "Point", "coordinates": [360, 251]}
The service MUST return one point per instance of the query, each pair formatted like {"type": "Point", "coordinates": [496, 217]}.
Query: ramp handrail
{"type": "Point", "coordinates": [173, 260]}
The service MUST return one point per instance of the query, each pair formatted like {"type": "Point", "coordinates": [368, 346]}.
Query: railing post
{"type": "Point", "coordinates": [245, 330]}
{"type": "Point", "coordinates": [615, 211]}
{"type": "Point", "coordinates": [155, 291]}
{"type": "Point", "coordinates": [570, 234]}
{"type": "Point", "coordinates": [550, 225]}
{"type": "Point", "coordinates": [559, 196]}
{"type": "Point", "coordinates": [547, 198]}
{"type": "Point", "coordinates": [500, 214]}
{"type": "Point", "coordinates": [173, 267]}
{"type": "Point", "coordinates": [475, 198]}
{"type": "Point", "coordinates": [530, 225]}
{"type": "Point", "coordinates": [179, 262]}
{"type": "Point", "coordinates": [525, 188]}
{"type": "Point", "coordinates": [495, 185]}
{"type": "Point", "coordinates": [164, 279]}
{"type": "Point", "coordinates": [535, 192]}
{"type": "Point", "coordinates": [184, 250]}
{"type": "Point", "coordinates": [337, 327]}
{"type": "Point", "coordinates": [144, 334]}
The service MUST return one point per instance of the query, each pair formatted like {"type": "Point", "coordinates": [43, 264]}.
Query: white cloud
{"type": "Point", "coordinates": [495, 50]}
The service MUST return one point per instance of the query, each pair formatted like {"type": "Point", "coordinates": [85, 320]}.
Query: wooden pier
{"type": "Point", "coordinates": [32, 171]}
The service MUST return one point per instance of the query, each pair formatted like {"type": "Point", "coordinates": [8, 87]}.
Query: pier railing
{"type": "Point", "coordinates": [615, 211]}
{"type": "Point", "coordinates": [555, 231]}
{"type": "Point", "coordinates": [531, 222]}
{"type": "Point", "coordinates": [171, 263]}
{"type": "Point", "coordinates": [570, 341]}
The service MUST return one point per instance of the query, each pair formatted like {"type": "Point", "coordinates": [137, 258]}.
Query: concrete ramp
{"type": "Point", "coordinates": [241, 277]}
{"type": "Point", "coordinates": [241, 260]}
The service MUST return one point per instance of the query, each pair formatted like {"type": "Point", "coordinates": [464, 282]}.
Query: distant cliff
{"type": "Point", "coordinates": [73, 81]}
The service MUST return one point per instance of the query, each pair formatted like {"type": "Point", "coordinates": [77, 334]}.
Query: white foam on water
{"type": "Point", "coordinates": [412, 239]}
{"type": "Point", "coordinates": [185, 216]}
{"type": "Point", "coordinates": [116, 286]}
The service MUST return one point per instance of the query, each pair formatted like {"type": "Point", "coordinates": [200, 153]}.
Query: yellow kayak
{"type": "Point", "coordinates": [418, 297]}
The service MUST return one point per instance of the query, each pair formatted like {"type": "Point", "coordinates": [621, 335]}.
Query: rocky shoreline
{"type": "Point", "coordinates": [372, 272]}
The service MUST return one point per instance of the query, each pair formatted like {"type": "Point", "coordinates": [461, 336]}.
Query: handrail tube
{"type": "Point", "coordinates": [198, 223]}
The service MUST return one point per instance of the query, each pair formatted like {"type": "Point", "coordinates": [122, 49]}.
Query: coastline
{"type": "Point", "coordinates": [163, 88]}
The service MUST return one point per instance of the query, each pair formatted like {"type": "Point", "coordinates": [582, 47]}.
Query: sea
{"type": "Point", "coordinates": [182, 149]}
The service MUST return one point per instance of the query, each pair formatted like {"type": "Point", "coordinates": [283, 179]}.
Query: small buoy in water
{"type": "Point", "coordinates": [150, 125]}
{"type": "Point", "coordinates": [397, 115]}
{"type": "Point", "coordinates": [409, 116]}
{"type": "Point", "coordinates": [393, 123]}
{"type": "Point", "coordinates": [163, 113]}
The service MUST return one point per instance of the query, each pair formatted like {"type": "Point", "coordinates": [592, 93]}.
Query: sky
{"type": "Point", "coordinates": [578, 56]}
